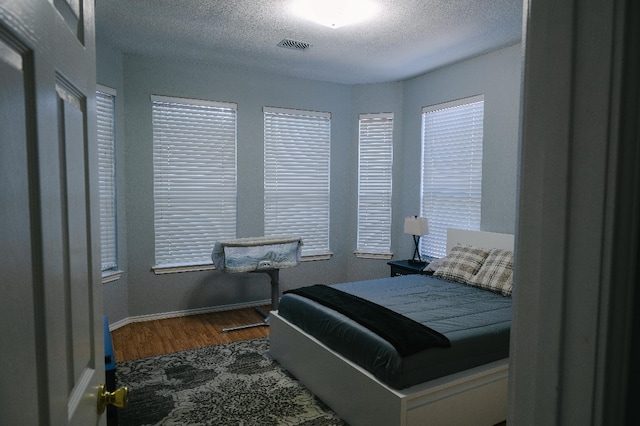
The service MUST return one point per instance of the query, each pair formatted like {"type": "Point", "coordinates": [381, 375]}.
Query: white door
{"type": "Point", "coordinates": [51, 352]}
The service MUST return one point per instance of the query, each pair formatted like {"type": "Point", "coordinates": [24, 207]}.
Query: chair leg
{"type": "Point", "coordinates": [275, 298]}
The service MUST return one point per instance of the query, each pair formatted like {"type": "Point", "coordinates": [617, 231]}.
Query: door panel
{"type": "Point", "coordinates": [71, 12]}
{"type": "Point", "coordinates": [75, 223]}
{"type": "Point", "coordinates": [51, 306]}
{"type": "Point", "coordinates": [16, 275]}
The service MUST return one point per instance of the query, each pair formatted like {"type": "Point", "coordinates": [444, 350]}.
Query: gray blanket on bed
{"type": "Point", "coordinates": [476, 322]}
{"type": "Point", "coordinates": [406, 335]}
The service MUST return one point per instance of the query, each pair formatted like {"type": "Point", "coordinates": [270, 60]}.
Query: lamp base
{"type": "Point", "coordinates": [416, 252]}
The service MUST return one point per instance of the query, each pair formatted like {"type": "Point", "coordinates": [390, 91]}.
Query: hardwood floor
{"type": "Point", "coordinates": [157, 337]}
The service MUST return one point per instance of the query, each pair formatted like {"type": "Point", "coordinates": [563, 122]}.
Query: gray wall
{"type": "Point", "coordinates": [373, 98]}
{"type": "Point", "coordinates": [251, 90]}
{"type": "Point", "coordinates": [110, 73]}
{"type": "Point", "coordinates": [497, 75]}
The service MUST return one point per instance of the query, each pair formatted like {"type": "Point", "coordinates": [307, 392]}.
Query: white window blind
{"type": "Point", "coordinates": [375, 164]}
{"type": "Point", "coordinates": [105, 112]}
{"type": "Point", "coordinates": [296, 176]}
{"type": "Point", "coordinates": [194, 176]}
{"type": "Point", "coordinates": [452, 135]}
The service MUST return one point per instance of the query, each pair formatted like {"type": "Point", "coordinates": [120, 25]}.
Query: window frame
{"type": "Point", "coordinates": [200, 172]}
{"type": "Point", "coordinates": [106, 141]}
{"type": "Point", "coordinates": [375, 185]}
{"type": "Point", "coordinates": [460, 145]}
{"type": "Point", "coordinates": [284, 130]}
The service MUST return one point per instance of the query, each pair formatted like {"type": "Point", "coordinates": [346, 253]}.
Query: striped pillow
{"type": "Point", "coordinates": [461, 264]}
{"type": "Point", "coordinates": [496, 273]}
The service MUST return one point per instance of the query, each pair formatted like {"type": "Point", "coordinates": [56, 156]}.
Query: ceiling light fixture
{"type": "Point", "coordinates": [335, 13]}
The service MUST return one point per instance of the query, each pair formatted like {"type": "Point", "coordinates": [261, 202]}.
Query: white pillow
{"type": "Point", "coordinates": [496, 273]}
{"type": "Point", "coordinates": [434, 264]}
{"type": "Point", "coordinates": [461, 263]}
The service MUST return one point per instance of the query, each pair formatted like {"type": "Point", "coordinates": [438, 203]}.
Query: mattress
{"type": "Point", "coordinates": [476, 322]}
{"type": "Point", "coordinates": [256, 254]}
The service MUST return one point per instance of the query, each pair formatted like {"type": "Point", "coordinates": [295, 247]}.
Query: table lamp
{"type": "Point", "coordinates": [416, 226]}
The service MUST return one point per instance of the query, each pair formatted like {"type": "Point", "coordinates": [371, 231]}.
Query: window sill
{"type": "Point", "coordinates": [176, 269]}
{"type": "Point", "coordinates": [382, 256]}
{"type": "Point", "coordinates": [315, 257]}
{"type": "Point", "coordinates": [109, 276]}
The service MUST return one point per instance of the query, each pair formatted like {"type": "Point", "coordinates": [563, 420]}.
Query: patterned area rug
{"type": "Point", "coordinates": [232, 384]}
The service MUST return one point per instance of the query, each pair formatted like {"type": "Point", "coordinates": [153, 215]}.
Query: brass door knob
{"type": "Point", "coordinates": [118, 398]}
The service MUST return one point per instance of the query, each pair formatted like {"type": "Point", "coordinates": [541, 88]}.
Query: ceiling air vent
{"type": "Point", "coordinates": [295, 45]}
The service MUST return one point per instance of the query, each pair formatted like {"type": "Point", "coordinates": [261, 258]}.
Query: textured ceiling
{"type": "Point", "coordinates": [405, 39]}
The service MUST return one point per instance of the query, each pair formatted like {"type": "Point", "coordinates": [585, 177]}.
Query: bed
{"type": "Point", "coordinates": [458, 375]}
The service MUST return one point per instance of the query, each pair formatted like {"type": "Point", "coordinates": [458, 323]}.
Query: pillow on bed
{"type": "Point", "coordinates": [461, 264]}
{"type": "Point", "coordinates": [496, 273]}
{"type": "Point", "coordinates": [434, 265]}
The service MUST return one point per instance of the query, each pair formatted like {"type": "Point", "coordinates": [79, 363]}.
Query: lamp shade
{"type": "Point", "coordinates": [415, 225]}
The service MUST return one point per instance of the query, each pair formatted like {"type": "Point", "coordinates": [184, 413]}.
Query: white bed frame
{"type": "Point", "coordinates": [477, 396]}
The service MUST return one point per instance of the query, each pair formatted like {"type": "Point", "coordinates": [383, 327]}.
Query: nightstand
{"type": "Point", "coordinates": [406, 267]}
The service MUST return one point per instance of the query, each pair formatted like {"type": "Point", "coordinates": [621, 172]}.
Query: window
{"type": "Point", "coordinates": [296, 177]}
{"type": "Point", "coordinates": [375, 163]}
{"type": "Point", "coordinates": [105, 112]}
{"type": "Point", "coordinates": [452, 136]}
{"type": "Point", "coordinates": [194, 177]}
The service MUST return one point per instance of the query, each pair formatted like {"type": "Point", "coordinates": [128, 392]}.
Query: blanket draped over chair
{"type": "Point", "coordinates": [259, 254]}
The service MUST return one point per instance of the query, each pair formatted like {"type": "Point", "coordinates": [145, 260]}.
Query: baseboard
{"type": "Point", "coordinates": [176, 314]}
